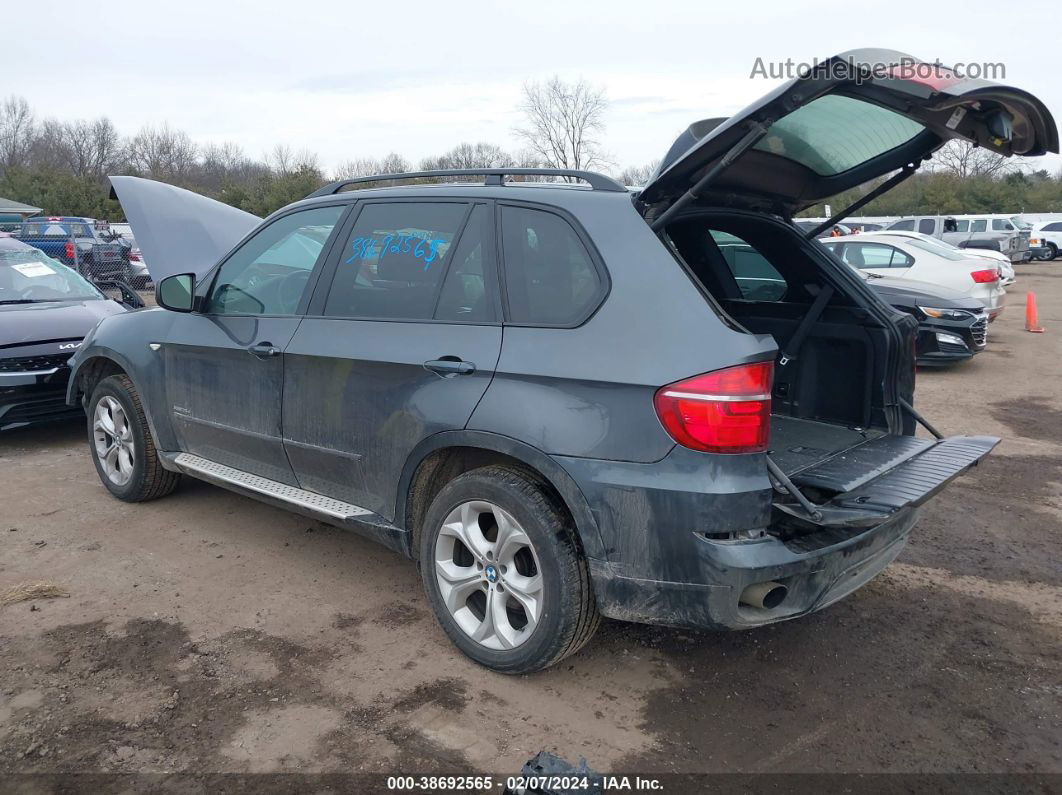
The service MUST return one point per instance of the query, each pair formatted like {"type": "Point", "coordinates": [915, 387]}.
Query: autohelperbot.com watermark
{"type": "Point", "coordinates": [860, 71]}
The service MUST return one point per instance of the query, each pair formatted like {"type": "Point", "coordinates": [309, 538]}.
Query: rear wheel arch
{"type": "Point", "coordinates": [443, 457]}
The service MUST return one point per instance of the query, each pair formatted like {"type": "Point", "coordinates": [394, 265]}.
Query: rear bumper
{"type": "Point", "coordinates": [686, 535]}
{"type": "Point", "coordinates": [815, 578]}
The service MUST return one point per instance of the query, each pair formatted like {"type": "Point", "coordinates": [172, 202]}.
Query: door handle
{"type": "Point", "coordinates": [449, 366]}
{"type": "Point", "coordinates": [264, 350]}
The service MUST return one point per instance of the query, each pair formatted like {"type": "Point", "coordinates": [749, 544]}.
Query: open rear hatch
{"type": "Point", "coordinates": [855, 117]}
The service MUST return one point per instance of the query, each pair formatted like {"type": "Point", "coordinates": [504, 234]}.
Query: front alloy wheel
{"type": "Point", "coordinates": [488, 575]}
{"type": "Point", "coordinates": [113, 439]}
{"type": "Point", "coordinates": [123, 449]}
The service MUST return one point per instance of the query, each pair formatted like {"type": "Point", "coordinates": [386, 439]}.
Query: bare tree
{"type": "Point", "coordinates": [965, 159]}
{"type": "Point", "coordinates": [367, 166]}
{"type": "Point", "coordinates": [638, 175]}
{"type": "Point", "coordinates": [466, 155]}
{"type": "Point", "coordinates": [281, 159]}
{"type": "Point", "coordinates": [562, 122]}
{"type": "Point", "coordinates": [49, 150]}
{"type": "Point", "coordinates": [17, 132]}
{"type": "Point", "coordinates": [162, 153]}
{"type": "Point", "coordinates": [91, 148]}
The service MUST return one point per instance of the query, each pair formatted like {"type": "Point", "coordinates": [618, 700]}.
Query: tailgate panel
{"type": "Point", "coordinates": [918, 479]}
{"type": "Point", "coordinates": [861, 464]}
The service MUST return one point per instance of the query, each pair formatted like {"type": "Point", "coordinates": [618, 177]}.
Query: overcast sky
{"type": "Point", "coordinates": [352, 79]}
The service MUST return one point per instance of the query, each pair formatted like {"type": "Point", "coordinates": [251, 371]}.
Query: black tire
{"type": "Point", "coordinates": [569, 613]}
{"type": "Point", "coordinates": [1052, 252]}
{"type": "Point", "coordinates": [149, 479]}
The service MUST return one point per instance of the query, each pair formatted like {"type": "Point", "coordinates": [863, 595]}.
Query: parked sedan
{"type": "Point", "coordinates": [907, 258]}
{"type": "Point", "coordinates": [952, 327]}
{"type": "Point", "coordinates": [46, 309]}
{"type": "Point", "coordinates": [1006, 267]}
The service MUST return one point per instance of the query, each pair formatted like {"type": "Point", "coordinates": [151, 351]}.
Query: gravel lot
{"type": "Point", "coordinates": [207, 632]}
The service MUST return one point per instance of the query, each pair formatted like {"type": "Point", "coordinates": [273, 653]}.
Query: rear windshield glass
{"type": "Point", "coordinates": [833, 134]}
{"type": "Point", "coordinates": [934, 248]}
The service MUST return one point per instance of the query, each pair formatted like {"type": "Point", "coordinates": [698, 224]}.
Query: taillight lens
{"type": "Point", "coordinates": [68, 250]}
{"type": "Point", "coordinates": [985, 276]}
{"type": "Point", "coordinates": [726, 411]}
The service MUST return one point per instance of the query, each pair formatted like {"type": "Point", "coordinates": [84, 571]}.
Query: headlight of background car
{"type": "Point", "coordinates": [945, 314]}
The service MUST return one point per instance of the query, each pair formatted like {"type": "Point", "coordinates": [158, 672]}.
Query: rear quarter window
{"type": "Point", "coordinates": [550, 277]}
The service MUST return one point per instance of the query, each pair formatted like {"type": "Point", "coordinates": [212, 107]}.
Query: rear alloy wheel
{"type": "Point", "coordinates": [502, 569]}
{"type": "Point", "coordinates": [488, 575]}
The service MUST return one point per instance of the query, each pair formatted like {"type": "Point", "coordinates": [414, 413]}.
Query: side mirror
{"type": "Point", "coordinates": [176, 293]}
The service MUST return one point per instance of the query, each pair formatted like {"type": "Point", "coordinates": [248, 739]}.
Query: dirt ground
{"type": "Point", "coordinates": [207, 632]}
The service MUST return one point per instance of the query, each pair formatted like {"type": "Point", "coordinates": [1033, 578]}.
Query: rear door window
{"type": "Point", "coordinates": [927, 226]}
{"type": "Point", "coordinates": [550, 278]}
{"type": "Point", "coordinates": [875, 255]}
{"type": "Point", "coordinates": [979, 225]}
{"type": "Point", "coordinates": [469, 289]}
{"type": "Point", "coordinates": [962, 226]}
{"type": "Point", "coordinates": [394, 260]}
{"type": "Point", "coordinates": [904, 226]}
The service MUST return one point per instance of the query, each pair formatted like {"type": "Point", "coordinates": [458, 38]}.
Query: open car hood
{"type": "Point", "coordinates": [855, 117]}
{"type": "Point", "coordinates": [179, 231]}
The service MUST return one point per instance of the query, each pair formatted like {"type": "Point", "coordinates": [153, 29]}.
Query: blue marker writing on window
{"type": "Point", "coordinates": [362, 248]}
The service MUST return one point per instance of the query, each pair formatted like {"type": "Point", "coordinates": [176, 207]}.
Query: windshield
{"type": "Point", "coordinates": [30, 276]}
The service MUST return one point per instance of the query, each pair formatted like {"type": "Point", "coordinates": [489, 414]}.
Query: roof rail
{"type": "Point", "coordinates": [492, 176]}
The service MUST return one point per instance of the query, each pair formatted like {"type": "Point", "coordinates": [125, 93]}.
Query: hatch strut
{"type": "Point", "coordinates": [797, 494]}
{"type": "Point", "coordinates": [756, 131]}
{"type": "Point", "coordinates": [920, 419]}
{"type": "Point", "coordinates": [884, 187]}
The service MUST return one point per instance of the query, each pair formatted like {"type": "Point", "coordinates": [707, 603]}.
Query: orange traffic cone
{"type": "Point", "coordinates": [1030, 315]}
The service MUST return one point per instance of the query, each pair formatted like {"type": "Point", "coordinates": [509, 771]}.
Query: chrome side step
{"type": "Point", "coordinates": [211, 470]}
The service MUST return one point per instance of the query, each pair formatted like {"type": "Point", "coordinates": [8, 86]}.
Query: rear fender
{"type": "Point", "coordinates": [533, 458]}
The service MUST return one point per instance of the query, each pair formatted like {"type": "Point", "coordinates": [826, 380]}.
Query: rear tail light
{"type": "Point", "coordinates": [68, 250]}
{"type": "Point", "coordinates": [726, 411]}
{"type": "Point", "coordinates": [134, 256]}
{"type": "Point", "coordinates": [986, 276]}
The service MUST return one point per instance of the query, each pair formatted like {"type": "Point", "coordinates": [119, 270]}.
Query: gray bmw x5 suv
{"type": "Point", "coordinates": [556, 397]}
